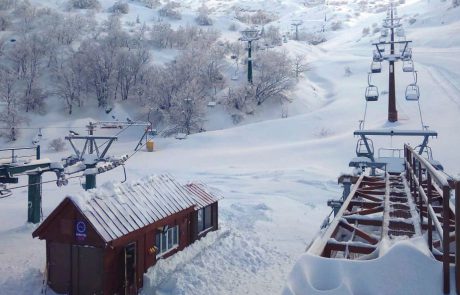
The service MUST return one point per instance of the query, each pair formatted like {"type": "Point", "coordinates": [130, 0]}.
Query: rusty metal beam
{"type": "Point", "coordinates": [369, 197]}
{"type": "Point", "coordinates": [366, 211]}
{"type": "Point", "coordinates": [360, 233]}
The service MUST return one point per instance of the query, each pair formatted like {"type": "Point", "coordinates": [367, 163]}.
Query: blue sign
{"type": "Point", "coordinates": [80, 230]}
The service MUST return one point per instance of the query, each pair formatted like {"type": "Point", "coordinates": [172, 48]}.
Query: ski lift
{"type": "Point", "coordinates": [406, 55]}
{"type": "Point", "coordinates": [372, 93]}
{"type": "Point", "coordinates": [4, 191]}
{"type": "Point", "coordinates": [376, 67]}
{"type": "Point", "coordinates": [412, 92]}
{"type": "Point", "coordinates": [377, 56]}
{"type": "Point", "coordinates": [427, 152]}
{"type": "Point", "coordinates": [361, 148]}
{"type": "Point", "coordinates": [408, 66]}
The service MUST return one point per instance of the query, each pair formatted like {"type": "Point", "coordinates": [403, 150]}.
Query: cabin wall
{"type": "Point", "coordinates": [63, 229]}
{"type": "Point", "coordinates": [114, 272]}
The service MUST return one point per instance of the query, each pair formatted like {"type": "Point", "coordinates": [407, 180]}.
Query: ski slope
{"type": "Point", "coordinates": [275, 174]}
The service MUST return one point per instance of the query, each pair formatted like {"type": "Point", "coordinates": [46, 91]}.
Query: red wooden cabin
{"type": "Point", "coordinates": [103, 241]}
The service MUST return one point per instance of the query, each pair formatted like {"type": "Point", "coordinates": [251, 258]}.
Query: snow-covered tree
{"type": "Point", "coordinates": [203, 18]}
{"type": "Point", "coordinates": [299, 65]}
{"type": "Point", "coordinates": [128, 66]}
{"type": "Point", "coordinates": [188, 110]}
{"type": "Point", "coordinates": [9, 116]}
{"type": "Point", "coordinates": [273, 75]}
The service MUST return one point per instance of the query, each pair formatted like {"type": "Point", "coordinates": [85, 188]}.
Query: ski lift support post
{"type": "Point", "coordinates": [34, 167]}
{"type": "Point", "coordinates": [148, 128]}
{"type": "Point", "coordinates": [91, 145]}
{"type": "Point", "coordinates": [250, 35]}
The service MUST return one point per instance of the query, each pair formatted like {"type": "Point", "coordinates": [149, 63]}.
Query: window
{"type": "Point", "coordinates": [167, 240]}
{"type": "Point", "coordinates": [204, 218]}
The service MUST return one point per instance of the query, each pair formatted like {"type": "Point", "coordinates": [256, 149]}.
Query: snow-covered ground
{"type": "Point", "coordinates": [275, 174]}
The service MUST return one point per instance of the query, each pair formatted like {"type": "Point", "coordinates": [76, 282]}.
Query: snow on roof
{"type": "Point", "coordinates": [118, 209]}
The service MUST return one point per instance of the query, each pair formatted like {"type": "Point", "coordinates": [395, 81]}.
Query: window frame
{"type": "Point", "coordinates": [165, 245]}
{"type": "Point", "coordinates": [202, 218]}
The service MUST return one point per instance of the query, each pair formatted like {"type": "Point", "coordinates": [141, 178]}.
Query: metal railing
{"type": "Point", "coordinates": [420, 172]}
{"type": "Point", "coordinates": [14, 155]}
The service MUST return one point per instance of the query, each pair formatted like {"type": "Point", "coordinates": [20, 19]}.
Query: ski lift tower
{"type": "Point", "coordinates": [296, 24]}
{"type": "Point", "coordinates": [250, 35]}
{"type": "Point", "coordinates": [91, 155]}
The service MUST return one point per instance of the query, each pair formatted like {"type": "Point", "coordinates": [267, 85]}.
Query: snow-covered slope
{"type": "Point", "coordinates": [276, 174]}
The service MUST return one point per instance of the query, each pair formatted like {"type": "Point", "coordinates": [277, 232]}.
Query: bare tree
{"type": "Point", "coordinates": [240, 98]}
{"type": "Point", "coordinates": [188, 110]}
{"type": "Point", "coordinates": [161, 34]}
{"type": "Point", "coordinates": [129, 64]}
{"type": "Point", "coordinates": [299, 65]}
{"type": "Point", "coordinates": [9, 116]}
{"type": "Point", "coordinates": [70, 80]}
{"type": "Point", "coordinates": [202, 17]}
{"type": "Point", "coordinates": [273, 75]}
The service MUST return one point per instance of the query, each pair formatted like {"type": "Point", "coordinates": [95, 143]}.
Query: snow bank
{"type": "Point", "coordinates": [404, 267]}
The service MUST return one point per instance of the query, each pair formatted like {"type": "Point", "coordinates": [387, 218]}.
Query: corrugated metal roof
{"type": "Point", "coordinates": [118, 210]}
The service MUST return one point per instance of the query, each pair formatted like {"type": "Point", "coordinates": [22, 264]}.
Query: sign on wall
{"type": "Point", "coordinates": [80, 230]}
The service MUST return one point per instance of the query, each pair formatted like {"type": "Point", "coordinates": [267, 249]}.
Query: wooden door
{"type": "Point", "coordinates": [59, 267]}
{"type": "Point", "coordinates": [87, 270]}
{"type": "Point", "coordinates": [130, 269]}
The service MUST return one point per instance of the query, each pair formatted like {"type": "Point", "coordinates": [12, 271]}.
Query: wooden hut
{"type": "Point", "coordinates": [102, 241]}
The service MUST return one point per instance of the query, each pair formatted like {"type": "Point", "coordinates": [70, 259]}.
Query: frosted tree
{"type": "Point", "coordinates": [70, 81]}
{"type": "Point", "coordinates": [273, 75]}
{"type": "Point", "coordinates": [129, 64]}
{"type": "Point", "coordinates": [161, 35]}
{"type": "Point", "coordinates": [9, 116]}
{"type": "Point", "coordinates": [299, 65]}
{"type": "Point", "coordinates": [203, 18]}
{"type": "Point", "coordinates": [188, 110]}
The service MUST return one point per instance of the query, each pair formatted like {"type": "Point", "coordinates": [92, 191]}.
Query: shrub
{"type": "Point", "coordinates": [57, 145]}
{"type": "Point", "coordinates": [85, 4]}
{"type": "Point", "coordinates": [120, 7]}
{"type": "Point", "coordinates": [366, 31]}
{"type": "Point", "coordinates": [337, 25]}
{"type": "Point", "coordinates": [233, 27]}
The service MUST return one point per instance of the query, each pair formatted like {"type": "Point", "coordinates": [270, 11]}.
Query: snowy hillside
{"type": "Point", "coordinates": [274, 173]}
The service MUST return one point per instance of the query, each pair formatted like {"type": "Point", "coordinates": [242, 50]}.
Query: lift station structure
{"type": "Point", "coordinates": [395, 193]}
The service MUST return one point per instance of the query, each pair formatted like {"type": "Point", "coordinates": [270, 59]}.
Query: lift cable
{"type": "Point", "coordinates": [77, 176]}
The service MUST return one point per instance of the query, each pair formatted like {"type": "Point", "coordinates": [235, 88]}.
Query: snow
{"type": "Point", "coordinates": [276, 174]}
{"type": "Point", "coordinates": [404, 267]}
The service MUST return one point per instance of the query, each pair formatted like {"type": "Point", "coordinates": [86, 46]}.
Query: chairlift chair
{"type": "Point", "coordinates": [372, 93]}
{"type": "Point", "coordinates": [407, 54]}
{"type": "Point", "coordinates": [427, 152]}
{"type": "Point", "coordinates": [408, 66]}
{"type": "Point", "coordinates": [4, 191]}
{"type": "Point", "coordinates": [361, 149]}
{"type": "Point", "coordinates": [376, 67]}
{"type": "Point", "coordinates": [412, 92]}
{"type": "Point", "coordinates": [377, 57]}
